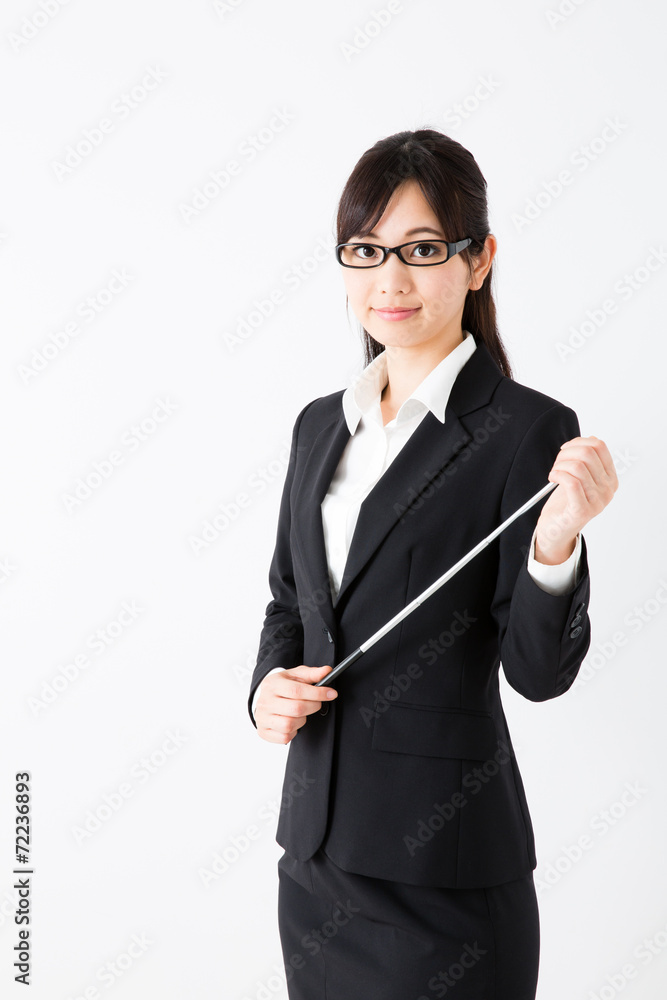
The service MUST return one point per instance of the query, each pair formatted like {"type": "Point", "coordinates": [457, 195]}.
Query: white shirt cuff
{"type": "Point", "coordinates": [256, 694]}
{"type": "Point", "coordinates": [556, 579]}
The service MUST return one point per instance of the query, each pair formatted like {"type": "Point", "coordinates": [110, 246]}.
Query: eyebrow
{"type": "Point", "coordinates": [412, 232]}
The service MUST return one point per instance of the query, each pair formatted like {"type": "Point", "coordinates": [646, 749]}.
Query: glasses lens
{"type": "Point", "coordinates": [433, 252]}
{"type": "Point", "coordinates": [360, 254]}
{"type": "Point", "coordinates": [419, 253]}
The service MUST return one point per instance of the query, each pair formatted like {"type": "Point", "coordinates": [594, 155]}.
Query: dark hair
{"type": "Point", "coordinates": [454, 187]}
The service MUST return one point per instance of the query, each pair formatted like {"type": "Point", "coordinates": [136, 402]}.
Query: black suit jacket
{"type": "Point", "coordinates": [410, 773]}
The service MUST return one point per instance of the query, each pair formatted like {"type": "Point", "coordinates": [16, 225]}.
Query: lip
{"type": "Point", "coordinates": [395, 314]}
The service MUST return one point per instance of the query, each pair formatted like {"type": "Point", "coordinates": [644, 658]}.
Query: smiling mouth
{"type": "Point", "coordinates": [390, 309]}
{"type": "Point", "coordinates": [395, 314]}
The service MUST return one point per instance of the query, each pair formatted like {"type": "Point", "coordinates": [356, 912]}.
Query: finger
{"type": "Point", "coordinates": [283, 726]}
{"type": "Point", "coordinates": [273, 736]}
{"type": "Point", "coordinates": [588, 454]}
{"type": "Point", "coordinates": [270, 736]}
{"type": "Point", "coordinates": [576, 471]}
{"type": "Point", "coordinates": [277, 713]}
{"type": "Point", "coordinates": [607, 461]}
{"type": "Point", "coordinates": [604, 484]}
{"type": "Point", "coordinates": [576, 459]}
{"type": "Point", "coordinates": [309, 674]}
{"type": "Point", "coordinates": [292, 708]}
{"type": "Point", "coordinates": [584, 496]}
{"type": "Point", "coordinates": [602, 452]}
{"type": "Point", "coordinates": [296, 690]}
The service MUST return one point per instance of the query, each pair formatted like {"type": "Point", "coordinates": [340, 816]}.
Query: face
{"type": "Point", "coordinates": [435, 294]}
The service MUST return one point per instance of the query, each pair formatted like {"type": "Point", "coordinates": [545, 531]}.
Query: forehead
{"type": "Point", "coordinates": [406, 214]}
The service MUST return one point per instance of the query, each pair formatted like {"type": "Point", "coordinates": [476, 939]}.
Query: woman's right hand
{"type": "Point", "coordinates": [286, 699]}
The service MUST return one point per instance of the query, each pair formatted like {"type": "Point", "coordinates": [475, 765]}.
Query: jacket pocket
{"type": "Point", "coordinates": [441, 732]}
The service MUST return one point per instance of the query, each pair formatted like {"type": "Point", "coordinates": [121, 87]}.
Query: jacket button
{"type": "Point", "coordinates": [325, 708]}
{"type": "Point", "coordinates": [580, 609]}
{"type": "Point", "coordinates": [575, 632]}
{"type": "Point", "coordinates": [575, 621]}
{"type": "Point", "coordinates": [328, 634]}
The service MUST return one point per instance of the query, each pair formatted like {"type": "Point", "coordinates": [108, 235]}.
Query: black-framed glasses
{"type": "Point", "coordinates": [438, 252]}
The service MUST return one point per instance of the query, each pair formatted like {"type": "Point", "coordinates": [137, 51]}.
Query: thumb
{"type": "Point", "coordinates": [310, 673]}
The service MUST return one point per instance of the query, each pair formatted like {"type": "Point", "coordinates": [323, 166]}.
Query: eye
{"type": "Point", "coordinates": [430, 249]}
{"type": "Point", "coordinates": [427, 253]}
{"type": "Point", "coordinates": [360, 248]}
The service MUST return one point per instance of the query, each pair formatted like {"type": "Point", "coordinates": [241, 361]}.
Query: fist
{"type": "Point", "coordinates": [286, 699]}
{"type": "Point", "coordinates": [587, 481]}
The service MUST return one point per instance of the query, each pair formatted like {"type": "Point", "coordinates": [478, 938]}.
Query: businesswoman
{"type": "Point", "coordinates": [409, 850]}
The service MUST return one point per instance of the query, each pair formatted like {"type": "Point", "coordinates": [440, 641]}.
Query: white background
{"type": "Point", "coordinates": [533, 96]}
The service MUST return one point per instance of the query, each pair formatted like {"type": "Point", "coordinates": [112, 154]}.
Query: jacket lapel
{"type": "Point", "coordinates": [430, 448]}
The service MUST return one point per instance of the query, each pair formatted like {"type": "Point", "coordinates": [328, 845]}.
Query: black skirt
{"type": "Point", "coordinates": [347, 936]}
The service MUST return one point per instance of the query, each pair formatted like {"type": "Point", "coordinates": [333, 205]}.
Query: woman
{"type": "Point", "coordinates": [409, 849]}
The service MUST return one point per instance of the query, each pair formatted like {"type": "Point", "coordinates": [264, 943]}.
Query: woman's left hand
{"type": "Point", "coordinates": [587, 481]}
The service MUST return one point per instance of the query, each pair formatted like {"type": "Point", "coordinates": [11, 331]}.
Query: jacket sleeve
{"type": "Point", "coordinates": [543, 637]}
{"type": "Point", "coordinates": [560, 578]}
{"type": "Point", "coordinates": [281, 638]}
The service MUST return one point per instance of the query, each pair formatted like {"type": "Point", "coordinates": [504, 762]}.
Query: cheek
{"type": "Point", "coordinates": [447, 290]}
{"type": "Point", "coordinates": [440, 296]}
{"type": "Point", "coordinates": [357, 294]}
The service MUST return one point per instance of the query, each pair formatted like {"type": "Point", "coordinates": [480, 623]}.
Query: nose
{"type": "Point", "coordinates": [393, 275]}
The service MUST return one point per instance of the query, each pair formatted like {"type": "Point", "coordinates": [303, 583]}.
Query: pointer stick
{"type": "Point", "coordinates": [344, 664]}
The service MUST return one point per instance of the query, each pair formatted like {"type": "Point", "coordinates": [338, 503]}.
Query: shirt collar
{"type": "Point", "coordinates": [362, 396]}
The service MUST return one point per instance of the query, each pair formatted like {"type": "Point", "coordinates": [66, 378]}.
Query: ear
{"type": "Point", "coordinates": [481, 263]}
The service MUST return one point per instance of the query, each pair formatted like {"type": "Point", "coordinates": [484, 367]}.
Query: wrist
{"type": "Point", "coordinates": [553, 553]}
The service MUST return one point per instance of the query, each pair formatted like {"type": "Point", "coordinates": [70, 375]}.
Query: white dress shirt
{"type": "Point", "coordinates": [373, 446]}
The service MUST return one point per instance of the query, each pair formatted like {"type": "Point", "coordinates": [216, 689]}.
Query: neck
{"type": "Point", "coordinates": [407, 367]}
